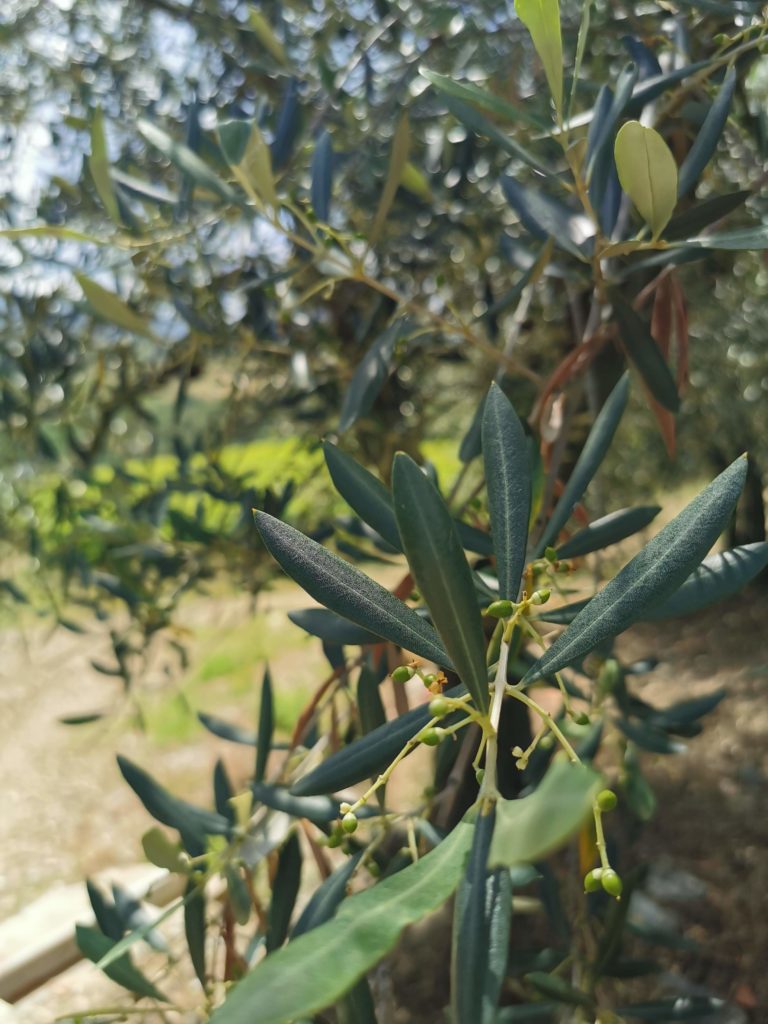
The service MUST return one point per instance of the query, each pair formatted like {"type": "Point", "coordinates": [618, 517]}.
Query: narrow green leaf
{"type": "Point", "coordinates": [111, 307]}
{"type": "Point", "coordinates": [467, 92]}
{"type": "Point", "coordinates": [701, 215]}
{"type": "Point", "coordinates": [367, 756]}
{"type": "Point", "coordinates": [529, 828]}
{"type": "Point", "coordinates": [369, 704]}
{"type": "Point", "coordinates": [605, 120]}
{"type": "Point", "coordinates": [645, 353]}
{"type": "Point", "coordinates": [442, 575]}
{"type": "Point", "coordinates": [313, 971]}
{"type": "Point", "coordinates": [481, 921]}
{"type": "Point", "coordinates": [118, 949]}
{"type": "Point", "coordinates": [545, 217]}
{"type": "Point", "coordinates": [144, 190]}
{"type": "Point", "coordinates": [685, 712]}
{"type": "Point", "coordinates": [581, 46]}
{"type": "Point", "coordinates": [187, 161]}
{"type": "Point", "coordinates": [266, 727]}
{"type": "Point", "coordinates": [651, 88]}
{"type": "Point", "coordinates": [285, 889]}
{"type": "Point", "coordinates": [508, 483]}
{"type": "Point", "coordinates": [363, 492]}
{"type": "Point", "coordinates": [554, 987]}
{"type": "Point", "coordinates": [371, 374]}
{"type": "Point", "coordinates": [472, 539]}
{"type": "Point", "coordinates": [194, 928]}
{"type": "Point", "coordinates": [94, 946]}
{"type": "Point", "coordinates": [648, 173]}
{"type": "Point", "coordinates": [322, 177]}
{"type": "Point", "coordinates": [249, 157]}
{"type": "Point", "coordinates": [223, 791]}
{"type": "Point", "coordinates": [357, 1006]}
{"type": "Point", "coordinates": [607, 530]}
{"type": "Point", "coordinates": [592, 455]}
{"type": "Point", "coordinates": [717, 578]}
{"type": "Point", "coordinates": [266, 35]}
{"type": "Point", "coordinates": [318, 809]}
{"type": "Point", "coordinates": [98, 164]}
{"type": "Point", "coordinates": [542, 19]}
{"type": "Point", "coordinates": [747, 239]}
{"type": "Point", "coordinates": [288, 125]}
{"type": "Point", "coordinates": [401, 145]}
{"type": "Point", "coordinates": [326, 899]}
{"type": "Point", "coordinates": [105, 912]}
{"type": "Point", "coordinates": [703, 148]}
{"type": "Point", "coordinates": [347, 591]}
{"type": "Point", "coordinates": [563, 615]}
{"type": "Point", "coordinates": [331, 628]}
{"type": "Point", "coordinates": [54, 231]}
{"type": "Point", "coordinates": [528, 1013]}
{"type": "Point", "coordinates": [666, 1011]}
{"type": "Point", "coordinates": [649, 737]}
{"type": "Point", "coordinates": [480, 125]}
{"type": "Point", "coordinates": [170, 810]}
{"type": "Point", "coordinates": [652, 575]}
{"type": "Point", "coordinates": [226, 730]}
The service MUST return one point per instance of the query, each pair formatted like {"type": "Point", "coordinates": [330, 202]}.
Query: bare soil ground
{"type": "Point", "coordinates": [67, 812]}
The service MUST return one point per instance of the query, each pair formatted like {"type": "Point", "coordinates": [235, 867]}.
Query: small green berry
{"type": "Point", "coordinates": [592, 880]}
{"type": "Point", "coordinates": [373, 869]}
{"type": "Point", "coordinates": [429, 679]}
{"type": "Point", "coordinates": [606, 800]}
{"type": "Point", "coordinates": [439, 707]}
{"type": "Point", "coordinates": [611, 883]}
{"type": "Point", "coordinates": [609, 676]}
{"type": "Point", "coordinates": [334, 840]}
{"type": "Point", "coordinates": [550, 554]}
{"type": "Point", "coordinates": [402, 674]}
{"type": "Point", "coordinates": [500, 609]}
{"type": "Point", "coordinates": [431, 737]}
{"type": "Point", "coordinates": [582, 718]}
{"type": "Point", "coordinates": [541, 596]}
{"type": "Point", "coordinates": [349, 823]}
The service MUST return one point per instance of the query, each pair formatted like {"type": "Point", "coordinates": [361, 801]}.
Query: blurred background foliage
{"type": "Point", "coordinates": [173, 345]}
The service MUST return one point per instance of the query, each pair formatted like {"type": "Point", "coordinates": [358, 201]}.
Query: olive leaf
{"type": "Point", "coordinates": [648, 173]}
{"type": "Point", "coordinates": [652, 575]}
{"type": "Point", "coordinates": [314, 970]}
{"type": "Point", "coordinates": [442, 574]}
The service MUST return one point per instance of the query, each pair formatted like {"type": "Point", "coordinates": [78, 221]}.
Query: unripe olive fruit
{"type": "Point", "coordinates": [334, 840]}
{"type": "Point", "coordinates": [607, 800]}
{"type": "Point", "coordinates": [550, 554]}
{"type": "Point", "coordinates": [611, 883]}
{"type": "Point", "coordinates": [582, 718]}
{"type": "Point", "coordinates": [541, 596]}
{"type": "Point", "coordinates": [349, 823]}
{"type": "Point", "coordinates": [592, 880]}
{"type": "Point", "coordinates": [439, 707]}
{"type": "Point", "coordinates": [500, 609]}
{"type": "Point", "coordinates": [402, 674]}
{"type": "Point", "coordinates": [430, 737]}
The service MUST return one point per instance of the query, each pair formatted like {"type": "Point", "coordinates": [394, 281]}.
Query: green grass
{"type": "Point", "coordinates": [226, 673]}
